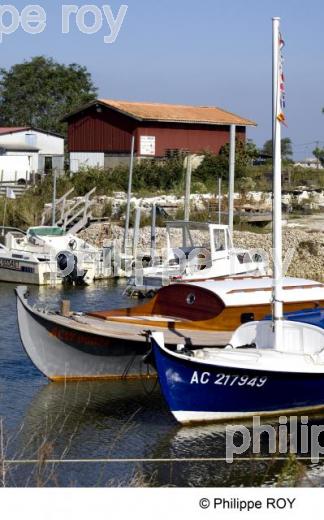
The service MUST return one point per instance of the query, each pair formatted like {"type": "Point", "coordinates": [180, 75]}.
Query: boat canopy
{"type": "Point", "coordinates": [46, 231]}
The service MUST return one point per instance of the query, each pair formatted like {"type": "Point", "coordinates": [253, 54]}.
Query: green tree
{"type": "Point", "coordinates": [39, 92]}
{"type": "Point", "coordinates": [286, 148]}
{"type": "Point", "coordinates": [214, 166]}
{"type": "Point", "coordinates": [245, 152]}
{"type": "Point", "coordinates": [319, 154]}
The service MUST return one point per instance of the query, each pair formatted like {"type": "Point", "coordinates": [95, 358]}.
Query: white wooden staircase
{"type": "Point", "coordinates": [72, 215]}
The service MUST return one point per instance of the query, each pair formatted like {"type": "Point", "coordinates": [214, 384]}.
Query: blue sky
{"type": "Point", "coordinates": [213, 52]}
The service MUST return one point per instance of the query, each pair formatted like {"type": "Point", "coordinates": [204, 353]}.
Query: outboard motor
{"type": "Point", "coordinates": [67, 263]}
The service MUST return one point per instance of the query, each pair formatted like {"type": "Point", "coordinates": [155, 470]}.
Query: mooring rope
{"type": "Point", "coordinates": [160, 460]}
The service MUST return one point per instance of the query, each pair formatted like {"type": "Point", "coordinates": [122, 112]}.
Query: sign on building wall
{"type": "Point", "coordinates": [147, 145]}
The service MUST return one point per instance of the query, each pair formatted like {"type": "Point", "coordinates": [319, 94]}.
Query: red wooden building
{"type": "Point", "coordinates": [100, 133]}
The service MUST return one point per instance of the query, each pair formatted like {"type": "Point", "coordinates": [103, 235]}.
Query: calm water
{"type": "Point", "coordinates": [115, 420]}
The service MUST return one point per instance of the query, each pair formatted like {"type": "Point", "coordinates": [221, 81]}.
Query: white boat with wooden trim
{"type": "Point", "coordinates": [112, 343]}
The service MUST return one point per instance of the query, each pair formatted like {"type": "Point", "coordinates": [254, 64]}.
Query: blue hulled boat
{"type": "Point", "coordinates": [249, 377]}
{"type": "Point", "coordinates": [311, 316]}
{"type": "Point", "coordinates": [270, 366]}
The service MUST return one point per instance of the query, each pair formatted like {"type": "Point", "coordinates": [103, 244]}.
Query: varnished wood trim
{"type": "Point", "coordinates": [228, 320]}
{"type": "Point", "coordinates": [286, 288]}
{"type": "Point", "coordinates": [61, 379]}
{"type": "Point", "coordinates": [222, 278]}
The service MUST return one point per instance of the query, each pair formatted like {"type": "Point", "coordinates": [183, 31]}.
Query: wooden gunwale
{"type": "Point", "coordinates": [228, 320]}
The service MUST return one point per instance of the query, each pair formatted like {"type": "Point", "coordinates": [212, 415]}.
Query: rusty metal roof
{"type": "Point", "coordinates": [161, 112]}
{"type": "Point", "coordinates": [177, 113]}
{"type": "Point", "coordinates": [12, 129]}
{"type": "Point", "coordinates": [4, 130]}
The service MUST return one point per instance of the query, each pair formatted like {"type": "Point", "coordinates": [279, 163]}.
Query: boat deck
{"type": "Point", "coordinates": [135, 332]}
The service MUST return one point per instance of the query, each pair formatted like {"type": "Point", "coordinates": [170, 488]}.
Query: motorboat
{"type": "Point", "coordinates": [195, 250]}
{"type": "Point", "coordinates": [47, 255]}
{"type": "Point", "coordinates": [23, 267]}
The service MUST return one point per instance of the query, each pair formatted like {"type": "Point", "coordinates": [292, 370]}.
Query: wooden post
{"type": "Point", "coordinates": [16, 177]}
{"type": "Point", "coordinates": [136, 230]}
{"type": "Point", "coordinates": [54, 199]}
{"type": "Point", "coordinates": [65, 308]}
{"type": "Point", "coordinates": [1, 176]}
{"type": "Point", "coordinates": [129, 194]}
{"type": "Point", "coordinates": [188, 188]}
{"type": "Point", "coordinates": [153, 233]}
{"type": "Point", "coordinates": [4, 214]}
{"type": "Point", "coordinates": [219, 200]}
{"type": "Point", "coordinates": [63, 208]}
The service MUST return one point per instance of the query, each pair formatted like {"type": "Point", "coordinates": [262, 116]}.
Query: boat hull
{"type": "Point", "coordinates": [198, 392]}
{"type": "Point", "coordinates": [62, 353]}
{"type": "Point", "coordinates": [27, 272]}
{"type": "Point", "coordinates": [14, 276]}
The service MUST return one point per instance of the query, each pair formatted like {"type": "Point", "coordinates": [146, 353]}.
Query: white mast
{"type": "Point", "coordinates": [231, 182]}
{"type": "Point", "coordinates": [277, 211]}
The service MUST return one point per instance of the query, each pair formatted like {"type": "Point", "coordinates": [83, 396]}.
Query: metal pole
{"type": "Point", "coordinates": [54, 198]}
{"type": "Point", "coordinates": [136, 230]}
{"type": "Point", "coordinates": [4, 215]}
{"type": "Point", "coordinates": [318, 161]}
{"type": "Point", "coordinates": [219, 200]}
{"type": "Point", "coordinates": [129, 194]}
{"type": "Point", "coordinates": [277, 210]}
{"type": "Point", "coordinates": [188, 188]}
{"type": "Point", "coordinates": [231, 179]}
{"type": "Point", "coordinates": [153, 233]}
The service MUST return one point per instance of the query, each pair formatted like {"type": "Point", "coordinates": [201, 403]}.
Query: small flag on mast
{"type": "Point", "coordinates": [10, 194]}
{"type": "Point", "coordinates": [281, 83]}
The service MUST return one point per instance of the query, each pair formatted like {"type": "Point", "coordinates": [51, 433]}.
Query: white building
{"type": "Point", "coordinates": [27, 150]}
{"type": "Point", "coordinates": [310, 162]}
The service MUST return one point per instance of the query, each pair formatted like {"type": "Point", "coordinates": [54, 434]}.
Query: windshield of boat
{"type": "Point", "coordinates": [188, 234]}
{"type": "Point", "coordinates": [46, 232]}
{"type": "Point", "coordinates": [219, 239]}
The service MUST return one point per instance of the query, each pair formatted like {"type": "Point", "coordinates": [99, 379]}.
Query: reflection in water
{"type": "Point", "coordinates": [116, 420]}
{"type": "Point", "coordinates": [92, 420]}
{"type": "Point", "coordinates": [120, 420]}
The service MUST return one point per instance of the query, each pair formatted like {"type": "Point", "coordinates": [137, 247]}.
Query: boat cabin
{"type": "Point", "coordinates": [186, 237]}
{"type": "Point", "coordinates": [197, 246]}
